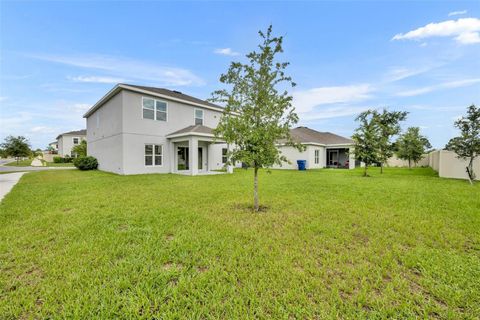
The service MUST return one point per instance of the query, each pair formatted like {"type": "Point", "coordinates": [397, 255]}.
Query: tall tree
{"type": "Point", "coordinates": [389, 126]}
{"type": "Point", "coordinates": [258, 108]}
{"type": "Point", "coordinates": [16, 147]}
{"type": "Point", "coordinates": [467, 145]}
{"type": "Point", "coordinates": [366, 139]}
{"type": "Point", "coordinates": [411, 146]}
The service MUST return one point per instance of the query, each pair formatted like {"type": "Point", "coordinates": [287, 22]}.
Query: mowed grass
{"type": "Point", "coordinates": [332, 244]}
{"type": "Point", "coordinates": [20, 163]}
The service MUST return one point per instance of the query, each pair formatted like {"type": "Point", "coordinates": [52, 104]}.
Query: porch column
{"type": "Point", "coordinates": [230, 166]}
{"type": "Point", "coordinates": [171, 156]}
{"type": "Point", "coordinates": [351, 158]}
{"type": "Point", "coordinates": [193, 155]}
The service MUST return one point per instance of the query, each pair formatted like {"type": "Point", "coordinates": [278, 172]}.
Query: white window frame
{"type": "Point", "coordinates": [153, 145]}
{"type": "Point", "coordinates": [195, 116]}
{"type": "Point", "coordinates": [73, 141]}
{"type": "Point", "coordinates": [155, 109]}
{"type": "Point", "coordinates": [317, 156]}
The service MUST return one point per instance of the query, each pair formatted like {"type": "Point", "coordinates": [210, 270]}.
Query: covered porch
{"type": "Point", "coordinates": [339, 158]}
{"type": "Point", "coordinates": [194, 152]}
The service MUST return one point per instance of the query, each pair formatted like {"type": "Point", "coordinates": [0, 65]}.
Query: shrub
{"type": "Point", "coordinates": [67, 159]}
{"type": "Point", "coordinates": [57, 160]}
{"type": "Point", "coordinates": [86, 163]}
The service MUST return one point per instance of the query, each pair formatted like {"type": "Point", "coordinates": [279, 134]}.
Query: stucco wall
{"type": "Point", "coordinates": [396, 162]}
{"type": "Point", "coordinates": [293, 155]}
{"type": "Point", "coordinates": [452, 167]}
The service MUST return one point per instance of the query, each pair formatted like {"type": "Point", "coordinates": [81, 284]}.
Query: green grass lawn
{"type": "Point", "coordinates": [332, 244]}
{"type": "Point", "coordinates": [53, 164]}
{"type": "Point", "coordinates": [21, 163]}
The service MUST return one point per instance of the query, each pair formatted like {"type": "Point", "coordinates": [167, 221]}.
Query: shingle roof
{"type": "Point", "coordinates": [82, 132]}
{"type": "Point", "coordinates": [174, 94]}
{"type": "Point", "coordinates": [305, 135]}
{"type": "Point", "coordinates": [193, 129]}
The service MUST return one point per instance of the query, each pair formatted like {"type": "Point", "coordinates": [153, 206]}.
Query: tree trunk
{"type": "Point", "coordinates": [255, 190]}
{"type": "Point", "coordinates": [365, 170]}
{"type": "Point", "coordinates": [409, 164]}
{"type": "Point", "coordinates": [470, 171]}
{"type": "Point", "coordinates": [381, 167]}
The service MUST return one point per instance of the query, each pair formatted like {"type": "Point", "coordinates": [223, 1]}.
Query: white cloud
{"type": "Point", "coordinates": [333, 112]}
{"type": "Point", "coordinates": [306, 100]}
{"type": "Point", "coordinates": [226, 52]}
{"type": "Point", "coordinates": [464, 31]}
{"type": "Point", "coordinates": [3, 99]}
{"type": "Point", "coordinates": [42, 129]}
{"type": "Point", "coordinates": [445, 85]}
{"type": "Point", "coordinates": [128, 68]}
{"type": "Point", "coordinates": [457, 13]}
{"type": "Point", "coordinates": [97, 79]}
{"type": "Point", "coordinates": [400, 73]}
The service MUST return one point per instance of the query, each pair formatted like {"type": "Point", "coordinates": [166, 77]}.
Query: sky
{"type": "Point", "coordinates": [58, 58]}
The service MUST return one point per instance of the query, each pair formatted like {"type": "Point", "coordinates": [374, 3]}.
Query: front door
{"type": "Point", "coordinates": [182, 159]}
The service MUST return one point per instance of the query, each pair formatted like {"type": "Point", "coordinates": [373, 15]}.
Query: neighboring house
{"type": "Point", "coordinates": [137, 129]}
{"type": "Point", "coordinates": [323, 150]}
{"type": "Point", "coordinates": [66, 141]}
{"type": "Point", "coordinates": [53, 146]}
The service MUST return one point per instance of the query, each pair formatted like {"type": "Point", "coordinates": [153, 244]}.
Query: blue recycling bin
{"type": "Point", "coordinates": [302, 164]}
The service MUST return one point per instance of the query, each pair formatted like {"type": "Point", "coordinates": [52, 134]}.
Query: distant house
{"type": "Point", "coordinates": [137, 129]}
{"type": "Point", "coordinates": [53, 146]}
{"type": "Point", "coordinates": [323, 150]}
{"type": "Point", "coordinates": [66, 141]}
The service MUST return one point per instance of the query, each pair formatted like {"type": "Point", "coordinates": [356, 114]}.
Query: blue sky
{"type": "Point", "coordinates": [59, 58]}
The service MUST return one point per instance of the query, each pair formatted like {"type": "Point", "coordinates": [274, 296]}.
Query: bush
{"type": "Point", "coordinates": [68, 159]}
{"type": "Point", "coordinates": [57, 160]}
{"type": "Point", "coordinates": [86, 163]}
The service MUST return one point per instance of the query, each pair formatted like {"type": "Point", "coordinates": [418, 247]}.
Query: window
{"type": "Point", "coordinates": [154, 109]}
{"type": "Point", "coordinates": [75, 140]}
{"type": "Point", "coordinates": [199, 117]}
{"type": "Point", "coordinates": [317, 156]}
{"type": "Point", "coordinates": [153, 155]}
{"type": "Point", "coordinates": [224, 155]}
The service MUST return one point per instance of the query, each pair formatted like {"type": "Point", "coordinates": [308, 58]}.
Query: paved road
{"type": "Point", "coordinates": [7, 181]}
{"type": "Point", "coordinates": [5, 161]}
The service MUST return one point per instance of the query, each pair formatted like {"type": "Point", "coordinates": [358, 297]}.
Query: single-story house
{"type": "Point", "coordinates": [322, 150]}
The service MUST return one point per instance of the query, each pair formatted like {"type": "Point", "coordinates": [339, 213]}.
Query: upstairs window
{"type": "Point", "coordinates": [199, 117]}
{"type": "Point", "coordinates": [317, 156]}
{"type": "Point", "coordinates": [76, 140]}
{"type": "Point", "coordinates": [154, 109]}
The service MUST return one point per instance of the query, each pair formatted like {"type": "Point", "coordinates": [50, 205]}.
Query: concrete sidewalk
{"type": "Point", "coordinates": [7, 181]}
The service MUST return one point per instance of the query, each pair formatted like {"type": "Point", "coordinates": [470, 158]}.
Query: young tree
{"type": "Point", "coordinates": [80, 149]}
{"type": "Point", "coordinates": [411, 146]}
{"type": "Point", "coordinates": [258, 108]}
{"type": "Point", "coordinates": [16, 147]}
{"type": "Point", "coordinates": [467, 145]}
{"type": "Point", "coordinates": [389, 126]}
{"type": "Point", "coordinates": [366, 139]}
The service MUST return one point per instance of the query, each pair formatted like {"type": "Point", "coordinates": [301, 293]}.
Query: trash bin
{"type": "Point", "coordinates": [302, 164]}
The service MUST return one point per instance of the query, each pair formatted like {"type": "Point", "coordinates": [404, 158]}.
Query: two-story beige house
{"type": "Point", "coordinates": [137, 129]}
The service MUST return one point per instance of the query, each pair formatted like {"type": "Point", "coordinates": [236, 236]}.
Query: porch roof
{"type": "Point", "coordinates": [196, 130]}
